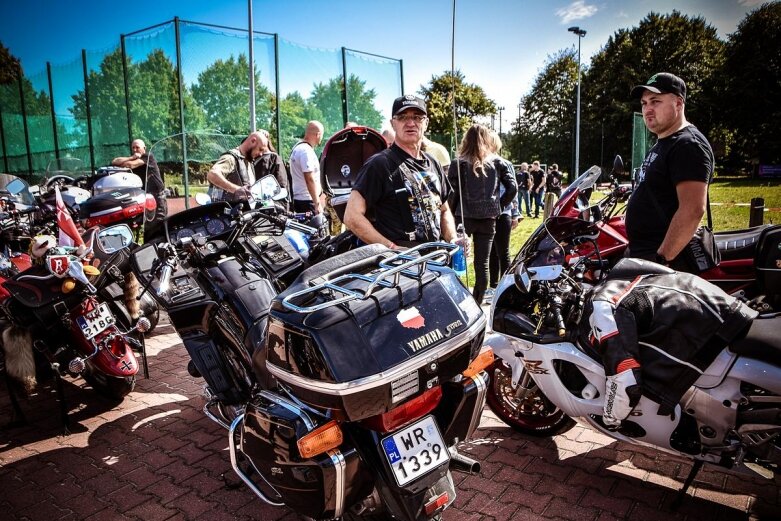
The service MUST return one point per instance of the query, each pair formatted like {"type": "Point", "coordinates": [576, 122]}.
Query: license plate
{"type": "Point", "coordinates": [415, 450]}
{"type": "Point", "coordinates": [95, 321]}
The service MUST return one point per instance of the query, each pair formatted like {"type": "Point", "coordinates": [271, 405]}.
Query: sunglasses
{"type": "Point", "coordinates": [417, 118]}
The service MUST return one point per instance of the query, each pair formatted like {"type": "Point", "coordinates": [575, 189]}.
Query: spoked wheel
{"type": "Point", "coordinates": [532, 414]}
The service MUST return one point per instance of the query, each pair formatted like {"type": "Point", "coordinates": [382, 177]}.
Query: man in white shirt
{"type": "Point", "coordinates": [305, 170]}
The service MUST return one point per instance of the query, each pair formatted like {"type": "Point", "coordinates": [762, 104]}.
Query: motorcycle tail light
{"type": "Point", "coordinates": [151, 203]}
{"type": "Point", "coordinates": [482, 361]}
{"type": "Point", "coordinates": [322, 439]}
{"type": "Point", "coordinates": [436, 503]}
{"type": "Point", "coordinates": [406, 412]}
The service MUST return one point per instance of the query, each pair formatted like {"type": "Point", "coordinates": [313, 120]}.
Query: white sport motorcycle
{"type": "Point", "coordinates": [543, 378]}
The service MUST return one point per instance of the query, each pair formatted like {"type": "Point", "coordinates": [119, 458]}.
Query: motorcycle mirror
{"type": "Point", "coordinates": [522, 279]}
{"type": "Point", "coordinates": [76, 271]}
{"type": "Point", "coordinates": [268, 188]}
{"type": "Point", "coordinates": [202, 199]}
{"type": "Point", "coordinates": [618, 165]}
{"type": "Point", "coordinates": [115, 238]}
{"type": "Point", "coordinates": [546, 272]}
{"type": "Point", "coordinates": [16, 186]}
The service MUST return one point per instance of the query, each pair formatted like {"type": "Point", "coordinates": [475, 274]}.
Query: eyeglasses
{"type": "Point", "coordinates": [416, 118]}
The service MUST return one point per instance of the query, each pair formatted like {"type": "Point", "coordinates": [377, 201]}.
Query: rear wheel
{"type": "Point", "coordinates": [112, 387]}
{"type": "Point", "coordinates": [532, 414]}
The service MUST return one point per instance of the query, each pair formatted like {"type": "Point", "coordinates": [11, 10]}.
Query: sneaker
{"type": "Point", "coordinates": [489, 295]}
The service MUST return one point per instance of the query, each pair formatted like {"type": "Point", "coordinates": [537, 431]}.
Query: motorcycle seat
{"type": "Point", "coordinates": [352, 261]}
{"type": "Point", "coordinates": [739, 244]}
{"type": "Point", "coordinates": [761, 341]}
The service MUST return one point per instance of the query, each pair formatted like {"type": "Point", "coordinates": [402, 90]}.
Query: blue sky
{"type": "Point", "coordinates": [500, 45]}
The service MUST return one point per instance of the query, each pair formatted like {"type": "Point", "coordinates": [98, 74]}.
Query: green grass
{"type": "Point", "coordinates": [726, 192]}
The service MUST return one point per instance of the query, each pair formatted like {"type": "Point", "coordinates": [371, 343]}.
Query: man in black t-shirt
{"type": "Point", "coordinates": [538, 187]}
{"type": "Point", "coordinates": [553, 180]}
{"type": "Point", "coordinates": [670, 198]}
{"type": "Point", "coordinates": [144, 165]}
{"type": "Point", "coordinates": [402, 189]}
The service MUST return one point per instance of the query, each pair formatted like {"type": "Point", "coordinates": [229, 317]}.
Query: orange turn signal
{"type": "Point", "coordinates": [482, 361]}
{"type": "Point", "coordinates": [322, 439]}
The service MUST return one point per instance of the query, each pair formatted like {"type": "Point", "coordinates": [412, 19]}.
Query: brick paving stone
{"type": "Point", "coordinates": [127, 497]}
{"type": "Point", "coordinates": [599, 481]}
{"type": "Point", "coordinates": [617, 506]}
{"type": "Point", "coordinates": [190, 505]}
{"type": "Point", "coordinates": [535, 501]}
{"type": "Point", "coordinates": [152, 511]}
{"type": "Point", "coordinates": [560, 508]}
{"type": "Point", "coordinates": [44, 510]}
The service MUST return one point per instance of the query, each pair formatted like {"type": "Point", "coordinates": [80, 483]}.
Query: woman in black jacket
{"type": "Point", "coordinates": [475, 177]}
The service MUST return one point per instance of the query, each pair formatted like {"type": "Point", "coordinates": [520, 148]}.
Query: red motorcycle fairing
{"type": "Point", "coordinates": [114, 356]}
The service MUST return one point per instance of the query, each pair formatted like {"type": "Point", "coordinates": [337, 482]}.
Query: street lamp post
{"type": "Point", "coordinates": [581, 33]}
{"type": "Point", "coordinates": [500, 109]}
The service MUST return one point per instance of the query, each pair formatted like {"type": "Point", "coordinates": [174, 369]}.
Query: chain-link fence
{"type": "Point", "coordinates": [179, 78]}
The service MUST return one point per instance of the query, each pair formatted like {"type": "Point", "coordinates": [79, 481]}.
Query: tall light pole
{"type": "Point", "coordinates": [581, 33]}
{"type": "Point", "coordinates": [500, 109]}
{"type": "Point", "coordinates": [251, 68]}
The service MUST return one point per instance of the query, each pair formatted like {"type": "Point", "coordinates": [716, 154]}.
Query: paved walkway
{"type": "Point", "coordinates": [157, 457]}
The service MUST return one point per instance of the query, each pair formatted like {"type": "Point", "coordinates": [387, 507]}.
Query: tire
{"type": "Point", "coordinates": [535, 415]}
{"type": "Point", "coordinates": [111, 387]}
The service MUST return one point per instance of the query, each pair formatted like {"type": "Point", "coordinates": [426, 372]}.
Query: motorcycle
{"type": "Point", "coordinates": [53, 319]}
{"type": "Point", "coordinates": [747, 256]}
{"type": "Point", "coordinates": [545, 377]}
{"type": "Point", "coordinates": [343, 395]}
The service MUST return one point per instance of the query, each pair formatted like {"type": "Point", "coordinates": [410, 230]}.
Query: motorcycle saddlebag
{"type": "Point", "coordinates": [367, 356]}
{"type": "Point", "coordinates": [319, 487]}
{"type": "Point", "coordinates": [343, 156]}
{"type": "Point", "coordinates": [768, 261]}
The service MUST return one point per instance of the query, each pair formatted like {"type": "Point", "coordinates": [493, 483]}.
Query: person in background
{"type": "Point", "coordinates": [234, 172]}
{"type": "Point", "coordinates": [538, 187]}
{"type": "Point", "coordinates": [505, 224]}
{"type": "Point", "coordinates": [305, 170]}
{"type": "Point", "coordinates": [524, 181]}
{"type": "Point", "coordinates": [144, 165]}
{"type": "Point", "coordinates": [670, 196]}
{"type": "Point", "coordinates": [389, 135]}
{"type": "Point", "coordinates": [437, 151]}
{"type": "Point", "coordinates": [475, 177]}
{"type": "Point", "coordinates": [270, 163]}
{"type": "Point", "coordinates": [399, 198]}
{"type": "Point", "coordinates": [553, 180]}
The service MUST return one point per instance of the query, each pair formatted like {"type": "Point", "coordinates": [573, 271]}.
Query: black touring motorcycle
{"type": "Point", "coordinates": [346, 385]}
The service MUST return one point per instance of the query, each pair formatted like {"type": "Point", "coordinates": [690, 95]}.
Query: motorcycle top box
{"type": "Point", "coordinates": [343, 156]}
{"type": "Point", "coordinates": [116, 205]}
{"type": "Point", "coordinates": [364, 331]}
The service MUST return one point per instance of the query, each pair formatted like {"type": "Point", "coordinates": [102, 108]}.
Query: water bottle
{"type": "Point", "coordinates": [459, 259]}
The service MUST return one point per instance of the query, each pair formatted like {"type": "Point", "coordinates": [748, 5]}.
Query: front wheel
{"type": "Point", "coordinates": [112, 387]}
{"type": "Point", "coordinates": [532, 414]}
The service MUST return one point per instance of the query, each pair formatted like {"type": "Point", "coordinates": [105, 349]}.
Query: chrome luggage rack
{"type": "Point", "coordinates": [410, 263]}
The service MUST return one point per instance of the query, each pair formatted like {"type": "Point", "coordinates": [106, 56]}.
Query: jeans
{"type": "Point", "coordinates": [523, 195]}
{"type": "Point", "coordinates": [500, 250]}
{"type": "Point", "coordinates": [482, 232]}
{"type": "Point", "coordinates": [538, 201]}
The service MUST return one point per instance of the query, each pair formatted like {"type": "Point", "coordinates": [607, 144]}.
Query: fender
{"type": "Point", "coordinates": [506, 347]}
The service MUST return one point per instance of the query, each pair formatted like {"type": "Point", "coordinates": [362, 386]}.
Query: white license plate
{"type": "Point", "coordinates": [95, 321]}
{"type": "Point", "coordinates": [415, 450]}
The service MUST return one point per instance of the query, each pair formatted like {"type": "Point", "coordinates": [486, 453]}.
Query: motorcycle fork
{"type": "Point", "coordinates": [525, 386]}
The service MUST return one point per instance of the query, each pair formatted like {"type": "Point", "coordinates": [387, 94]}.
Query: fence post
{"type": "Point", "coordinates": [345, 106]}
{"type": "Point", "coordinates": [54, 118]}
{"type": "Point", "coordinates": [185, 175]}
{"type": "Point", "coordinates": [127, 88]}
{"type": "Point", "coordinates": [276, 91]}
{"type": "Point", "coordinates": [24, 126]}
{"type": "Point", "coordinates": [401, 75]}
{"type": "Point", "coordinates": [757, 214]}
{"type": "Point", "coordinates": [89, 114]}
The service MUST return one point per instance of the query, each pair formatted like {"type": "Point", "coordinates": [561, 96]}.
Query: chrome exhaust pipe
{"type": "Point", "coordinates": [460, 463]}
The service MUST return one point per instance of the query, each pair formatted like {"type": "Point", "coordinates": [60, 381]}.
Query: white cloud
{"type": "Point", "coordinates": [622, 14]}
{"type": "Point", "coordinates": [751, 3]}
{"type": "Point", "coordinates": [578, 10]}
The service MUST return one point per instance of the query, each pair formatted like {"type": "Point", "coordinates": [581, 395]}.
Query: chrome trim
{"type": "Point", "coordinates": [290, 406]}
{"type": "Point", "coordinates": [340, 466]}
{"type": "Point", "coordinates": [361, 384]}
{"type": "Point", "coordinates": [482, 392]}
{"type": "Point", "coordinates": [235, 464]}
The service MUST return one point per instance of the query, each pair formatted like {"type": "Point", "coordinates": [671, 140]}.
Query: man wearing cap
{"type": "Point", "coordinates": [670, 197]}
{"type": "Point", "coordinates": [399, 198]}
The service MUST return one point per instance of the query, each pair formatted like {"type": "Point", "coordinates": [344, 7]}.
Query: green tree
{"type": "Point", "coordinates": [546, 129]}
{"type": "Point", "coordinates": [750, 86]}
{"type": "Point", "coordinates": [222, 91]}
{"type": "Point", "coordinates": [327, 97]}
{"type": "Point", "coordinates": [10, 69]}
{"type": "Point", "coordinates": [294, 113]}
{"type": "Point", "coordinates": [471, 103]}
{"type": "Point", "coordinates": [686, 46]}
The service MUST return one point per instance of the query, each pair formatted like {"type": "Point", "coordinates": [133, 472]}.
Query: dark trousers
{"type": "Point", "coordinates": [500, 249]}
{"type": "Point", "coordinates": [538, 201]}
{"type": "Point", "coordinates": [523, 197]}
{"type": "Point", "coordinates": [482, 232]}
{"type": "Point", "coordinates": [153, 226]}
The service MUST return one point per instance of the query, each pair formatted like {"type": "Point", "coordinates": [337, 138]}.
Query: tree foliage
{"type": "Point", "coordinates": [327, 98]}
{"type": "Point", "coordinates": [750, 86]}
{"type": "Point", "coordinates": [471, 103]}
{"type": "Point", "coordinates": [10, 69]}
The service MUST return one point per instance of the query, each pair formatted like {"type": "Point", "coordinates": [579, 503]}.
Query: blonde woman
{"type": "Point", "coordinates": [475, 177]}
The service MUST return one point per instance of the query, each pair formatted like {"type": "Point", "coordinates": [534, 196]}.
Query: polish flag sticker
{"type": "Point", "coordinates": [411, 318]}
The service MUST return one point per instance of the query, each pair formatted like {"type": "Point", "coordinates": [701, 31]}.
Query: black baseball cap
{"type": "Point", "coordinates": [408, 101]}
{"type": "Point", "coordinates": [662, 83]}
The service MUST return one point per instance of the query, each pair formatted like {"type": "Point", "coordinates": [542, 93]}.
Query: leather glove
{"type": "Point", "coordinates": [243, 192]}
{"type": "Point", "coordinates": [622, 392]}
